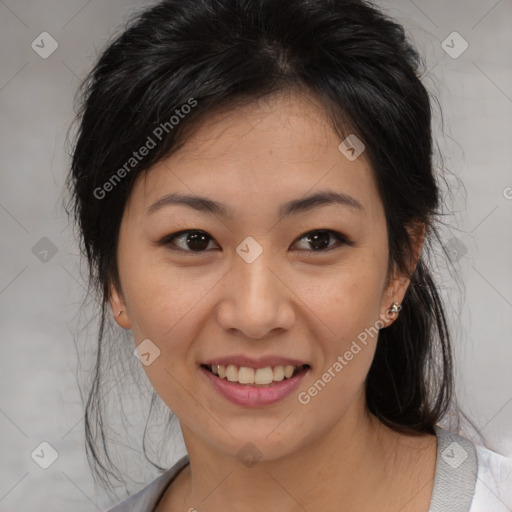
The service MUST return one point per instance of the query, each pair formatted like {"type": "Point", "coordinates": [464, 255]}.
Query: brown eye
{"type": "Point", "coordinates": [192, 240]}
{"type": "Point", "coordinates": [196, 241]}
{"type": "Point", "coordinates": [319, 240]}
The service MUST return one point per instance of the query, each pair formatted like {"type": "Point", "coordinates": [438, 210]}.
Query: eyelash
{"type": "Point", "coordinates": [342, 239]}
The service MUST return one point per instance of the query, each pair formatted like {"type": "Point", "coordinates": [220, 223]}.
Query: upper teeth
{"type": "Point", "coordinates": [245, 375]}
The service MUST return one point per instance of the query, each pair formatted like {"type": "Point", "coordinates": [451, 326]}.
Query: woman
{"type": "Point", "coordinates": [254, 189]}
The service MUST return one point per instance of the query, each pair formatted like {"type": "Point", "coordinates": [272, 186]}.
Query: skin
{"type": "Point", "coordinates": [330, 454]}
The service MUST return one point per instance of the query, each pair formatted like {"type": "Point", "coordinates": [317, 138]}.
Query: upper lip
{"type": "Point", "coordinates": [249, 362]}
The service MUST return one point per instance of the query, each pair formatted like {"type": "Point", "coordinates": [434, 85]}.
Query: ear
{"type": "Point", "coordinates": [400, 280]}
{"type": "Point", "coordinates": [119, 308]}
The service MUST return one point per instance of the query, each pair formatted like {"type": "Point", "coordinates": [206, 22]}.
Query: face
{"type": "Point", "coordinates": [255, 283]}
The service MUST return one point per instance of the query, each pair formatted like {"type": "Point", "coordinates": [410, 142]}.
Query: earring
{"type": "Point", "coordinates": [395, 308]}
{"type": "Point", "coordinates": [119, 313]}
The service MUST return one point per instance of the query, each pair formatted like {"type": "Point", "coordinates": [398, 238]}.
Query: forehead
{"type": "Point", "coordinates": [260, 156]}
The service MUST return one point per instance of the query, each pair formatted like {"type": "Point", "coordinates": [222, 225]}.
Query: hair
{"type": "Point", "coordinates": [221, 54]}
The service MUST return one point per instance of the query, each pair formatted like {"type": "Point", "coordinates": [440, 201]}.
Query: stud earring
{"type": "Point", "coordinates": [119, 313]}
{"type": "Point", "coordinates": [395, 308]}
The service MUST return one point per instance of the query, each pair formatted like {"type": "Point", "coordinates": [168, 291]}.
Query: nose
{"type": "Point", "coordinates": [256, 300]}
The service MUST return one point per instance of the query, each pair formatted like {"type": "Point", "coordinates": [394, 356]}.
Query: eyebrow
{"type": "Point", "coordinates": [303, 204]}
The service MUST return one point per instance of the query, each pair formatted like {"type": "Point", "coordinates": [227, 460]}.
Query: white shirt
{"type": "Point", "coordinates": [493, 491]}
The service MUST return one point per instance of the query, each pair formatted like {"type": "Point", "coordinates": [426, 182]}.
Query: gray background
{"type": "Point", "coordinates": [40, 293]}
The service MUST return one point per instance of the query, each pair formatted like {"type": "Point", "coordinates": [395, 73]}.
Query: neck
{"type": "Point", "coordinates": [352, 459]}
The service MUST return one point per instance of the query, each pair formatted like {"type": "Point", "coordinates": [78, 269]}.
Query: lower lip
{"type": "Point", "coordinates": [254, 396]}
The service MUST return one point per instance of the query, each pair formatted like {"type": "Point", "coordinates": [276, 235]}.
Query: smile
{"type": "Point", "coordinates": [254, 387]}
{"type": "Point", "coordinates": [254, 376]}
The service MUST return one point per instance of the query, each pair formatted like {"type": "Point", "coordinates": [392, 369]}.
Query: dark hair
{"type": "Point", "coordinates": [219, 54]}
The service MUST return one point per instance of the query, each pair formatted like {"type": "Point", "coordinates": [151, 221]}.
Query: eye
{"type": "Point", "coordinates": [196, 241]}
{"type": "Point", "coordinates": [319, 240]}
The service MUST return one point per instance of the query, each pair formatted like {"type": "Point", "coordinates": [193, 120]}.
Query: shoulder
{"type": "Point", "coordinates": [470, 477]}
{"type": "Point", "coordinates": [147, 498]}
{"type": "Point", "coordinates": [493, 490]}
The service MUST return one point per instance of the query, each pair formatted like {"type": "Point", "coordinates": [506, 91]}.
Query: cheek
{"type": "Point", "coordinates": [348, 309]}
{"type": "Point", "coordinates": [158, 295]}
{"type": "Point", "coordinates": [164, 306]}
{"type": "Point", "coordinates": [346, 298]}
{"type": "Point", "coordinates": [346, 303]}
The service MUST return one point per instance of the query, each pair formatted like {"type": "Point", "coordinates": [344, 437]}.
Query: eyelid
{"type": "Point", "coordinates": [340, 237]}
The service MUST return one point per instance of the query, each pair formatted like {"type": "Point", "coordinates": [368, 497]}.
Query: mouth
{"type": "Point", "coordinates": [267, 376]}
